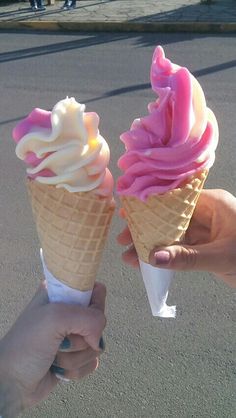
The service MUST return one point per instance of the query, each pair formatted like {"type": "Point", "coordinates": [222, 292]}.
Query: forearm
{"type": "Point", "coordinates": [10, 402]}
{"type": "Point", "coordinates": [10, 399]}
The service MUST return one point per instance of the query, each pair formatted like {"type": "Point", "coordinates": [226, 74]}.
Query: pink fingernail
{"type": "Point", "coordinates": [162, 257]}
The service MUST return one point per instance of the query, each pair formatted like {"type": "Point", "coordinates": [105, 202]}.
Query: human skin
{"type": "Point", "coordinates": [33, 345]}
{"type": "Point", "coordinates": [209, 244]}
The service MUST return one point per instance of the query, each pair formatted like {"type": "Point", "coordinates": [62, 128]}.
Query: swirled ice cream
{"type": "Point", "coordinates": [71, 193]}
{"type": "Point", "coordinates": [174, 141]}
{"type": "Point", "coordinates": [167, 157]}
{"type": "Point", "coordinates": [64, 148]}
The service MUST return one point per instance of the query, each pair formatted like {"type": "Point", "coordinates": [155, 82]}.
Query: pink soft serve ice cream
{"type": "Point", "coordinates": [174, 141]}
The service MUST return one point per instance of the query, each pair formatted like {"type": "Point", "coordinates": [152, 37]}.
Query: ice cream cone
{"type": "Point", "coordinates": [160, 221]}
{"type": "Point", "coordinates": [163, 219]}
{"type": "Point", "coordinates": [168, 154]}
{"type": "Point", "coordinates": [72, 229]}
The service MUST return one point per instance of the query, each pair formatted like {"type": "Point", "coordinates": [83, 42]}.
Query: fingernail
{"type": "Point", "coordinates": [63, 379]}
{"type": "Point", "coordinates": [162, 257]}
{"type": "Point", "coordinates": [102, 344]}
{"type": "Point", "coordinates": [65, 344]}
{"type": "Point", "coordinates": [57, 370]}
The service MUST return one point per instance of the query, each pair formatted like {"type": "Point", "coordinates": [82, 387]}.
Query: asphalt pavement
{"type": "Point", "coordinates": [125, 15]}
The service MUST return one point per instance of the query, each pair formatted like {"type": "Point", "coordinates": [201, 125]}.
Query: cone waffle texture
{"type": "Point", "coordinates": [72, 229]}
{"type": "Point", "coordinates": [162, 220]}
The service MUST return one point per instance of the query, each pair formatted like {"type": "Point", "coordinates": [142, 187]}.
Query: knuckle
{"type": "Point", "coordinates": [191, 259]}
{"type": "Point", "coordinates": [101, 319]}
{"type": "Point", "coordinates": [94, 364]}
{"type": "Point", "coordinates": [70, 361]}
{"type": "Point", "coordinates": [83, 371]}
{"type": "Point", "coordinates": [61, 361]}
{"type": "Point", "coordinates": [90, 367]}
{"type": "Point", "coordinates": [56, 312]}
{"type": "Point", "coordinates": [51, 313]}
{"type": "Point", "coordinates": [97, 319]}
{"type": "Point", "coordinates": [230, 253]}
{"type": "Point", "coordinates": [103, 288]}
{"type": "Point", "coordinates": [224, 198]}
{"type": "Point", "coordinates": [185, 258]}
{"type": "Point", "coordinates": [222, 194]}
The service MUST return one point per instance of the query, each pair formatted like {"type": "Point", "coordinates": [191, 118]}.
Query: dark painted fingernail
{"type": "Point", "coordinates": [102, 344]}
{"type": "Point", "coordinates": [57, 370]}
{"type": "Point", "coordinates": [162, 257]}
{"type": "Point", "coordinates": [65, 344]}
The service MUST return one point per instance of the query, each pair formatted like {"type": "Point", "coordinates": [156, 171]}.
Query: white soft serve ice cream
{"type": "Point", "coordinates": [64, 148]}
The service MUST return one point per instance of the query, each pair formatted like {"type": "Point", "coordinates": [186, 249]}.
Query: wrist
{"type": "Point", "coordinates": [10, 402]}
{"type": "Point", "coordinates": [10, 399]}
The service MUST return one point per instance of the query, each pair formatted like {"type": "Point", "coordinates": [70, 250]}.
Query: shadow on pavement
{"type": "Point", "coordinates": [5, 122]}
{"type": "Point", "coordinates": [199, 12]}
{"type": "Point", "coordinates": [85, 40]}
{"type": "Point", "coordinates": [215, 68]}
{"type": "Point", "coordinates": [90, 39]}
{"type": "Point", "coordinates": [145, 86]}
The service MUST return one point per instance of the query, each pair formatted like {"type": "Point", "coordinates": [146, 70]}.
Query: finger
{"type": "Point", "coordinates": [217, 257]}
{"type": "Point", "coordinates": [86, 322]}
{"type": "Point", "coordinates": [98, 296]}
{"type": "Point", "coordinates": [125, 238]}
{"type": "Point", "coordinates": [40, 298]}
{"type": "Point", "coordinates": [73, 343]}
{"type": "Point", "coordinates": [82, 372]}
{"type": "Point", "coordinates": [122, 213]}
{"type": "Point", "coordinates": [213, 201]}
{"type": "Point", "coordinates": [204, 208]}
{"type": "Point", "coordinates": [46, 385]}
{"type": "Point", "coordinates": [197, 234]}
{"type": "Point", "coordinates": [130, 257]}
{"type": "Point", "coordinates": [72, 361]}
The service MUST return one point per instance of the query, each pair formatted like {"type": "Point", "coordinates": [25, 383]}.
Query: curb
{"type": "Point", "coordinates": [126, 26]}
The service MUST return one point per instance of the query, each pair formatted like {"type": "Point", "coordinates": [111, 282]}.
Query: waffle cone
{"type": "Point", "coordinates": [162, 220]}
{"type": "Point", "coordinates": [72, 229]}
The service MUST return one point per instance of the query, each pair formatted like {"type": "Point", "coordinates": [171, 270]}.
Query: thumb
{"type": "Point", "coordinates": [216, 257]}
{"type": "Point", "coordinates": [40, 298]}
